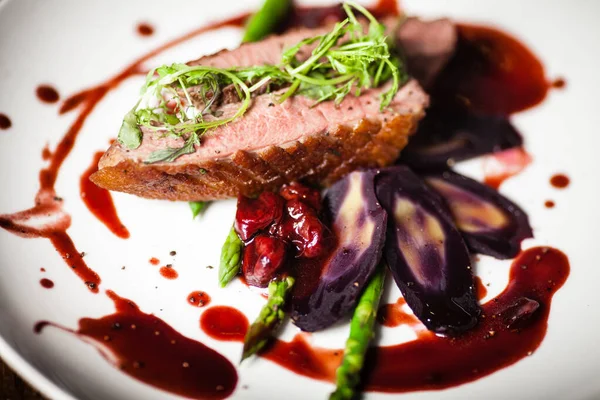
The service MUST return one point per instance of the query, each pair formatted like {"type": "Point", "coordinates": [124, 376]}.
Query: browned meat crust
{"type": "Point", "coordinates": [319, 159]}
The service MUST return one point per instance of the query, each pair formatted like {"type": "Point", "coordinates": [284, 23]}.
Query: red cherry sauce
{"type": "Point", "coordinates": [224, 323]}
{"type": "Point", "coordinates": [198, 299]}
{"type": "Point", "coordinates": [99, 201]}
{"type": "Point", "coordinates": [146, 348]}
{"type": "Point", "coordinates": [429, 363]}
{"type": "Point", "coordinates": [46, 283]}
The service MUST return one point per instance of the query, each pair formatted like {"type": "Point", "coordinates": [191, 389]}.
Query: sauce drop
{"type": "Point", "coordinates": [146, 348]}
{"type": "Point", "coordinates": [47, 94]}
{"type": "Point", "coordinates": [5, 122]}
{"type": "Point", "coordinates": [145, 29]}
{"type": "Point", "coordinates": [154, 261]}
{"type": "Point", "coordinates": [224, 323]}
{"type": "Point", "coordinates": [46, 283]}
{"type": "Point", "coordinates": [168, 273]}
{"type": "Point", "coordinates": [549, 204]}
{"type": "Point", "coordinates": [560, 181]}
{"type": "Point", "coordinates": [559, 83]}
{"type": "Point", "coordinates": [99, 201]}
{"type": "Point", "coordinates": [429, 363]}
{"type": "Point", "coordinates": [198, 299]}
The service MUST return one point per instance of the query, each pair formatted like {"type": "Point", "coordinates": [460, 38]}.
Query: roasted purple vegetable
{"type": "Point", "coordinates": [358, 222]}
{"type": "Point", "coordinates": [490, 223]}
{"type": "Point", "coordinates": [426, 254]}
{"type": "Point", "coordinates": [454, 135]}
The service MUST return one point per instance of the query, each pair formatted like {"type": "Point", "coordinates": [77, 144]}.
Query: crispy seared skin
{"type": "Point", "coordinates": [318, 159]}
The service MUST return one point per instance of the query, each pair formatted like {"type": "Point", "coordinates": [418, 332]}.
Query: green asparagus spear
{"type": "Point", "coordinates": [265, 21]}
{"type": "Point", "coordinates": [231, 257]}
{"type": "Point", "coordinates": [198, 207]}
{"type": "Point", "coordinates": [269, 319]}
{"type": "Point", "coordinates": [361, 333]}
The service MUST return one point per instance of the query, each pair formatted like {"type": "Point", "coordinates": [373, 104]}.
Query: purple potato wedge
{"type": "Point", "coordinates": [490, 223]}
{"type": "Point", "coordinates": [447, 136]}
{"type": "Point", "coordinates": [358, 221]}
{"type": "Point", "coordinates": [426, 253]}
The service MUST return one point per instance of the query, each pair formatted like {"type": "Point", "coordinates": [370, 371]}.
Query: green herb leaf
{"type": "Point", "coordinates": [171, 154]}
{"type": "Point", "coordinates": [130, 133]}
{"type": "Point", "coordinates": [179, 99]}
{"type": "Point", "coordinates": [198, 207]}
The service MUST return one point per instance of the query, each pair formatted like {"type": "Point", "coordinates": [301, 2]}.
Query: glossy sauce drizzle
{"type": "Point", "coordinates": [146, 348]}
{"type": "Point", "coordinates": [99, 201]}
{"type": "Point", "coordinates": [429, 363]}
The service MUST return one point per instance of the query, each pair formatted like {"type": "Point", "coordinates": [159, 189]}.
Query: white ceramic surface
{"type": "Point", "coordinates": [75, 44]}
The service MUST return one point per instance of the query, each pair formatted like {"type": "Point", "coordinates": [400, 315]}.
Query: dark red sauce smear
{"type": "Point", "coordinates": [549, 204]}
{"type": "Point", "coordinates": [392, 315]}
{"type": "Point", "coordinates": [488, 61]}
{"type": "Point", "coordinates": [5, 122]}
{"type": "Point", "coordinates": [429, 363]}
{"type": "Point", "coordinates": [224, 323]}
{"type": "Point", "coordinates": [146, 348]}
{"type": "Point", "coordinates": [46, 153]}
{"type": "Point", "coordinates": [168, 273]}
{"type": "Point", "coordinates": [43, 269]}
{"type": "Point", "coordinates": [481, 289]}
{"type": "Point", "coordinates": [99, 201]}
{"type": "Point", "coordinates": [46, 283]}
{"type": "Point", "coordinates": [47, 94]}
{"type": "Point", "coordinates": [560, 181]}
{"type": "Point", "coordinates": [198, 299]}
{"type": "Point", "coordinates": [145, 29]}
{"type": "Point", "coordinates": [46, 201]}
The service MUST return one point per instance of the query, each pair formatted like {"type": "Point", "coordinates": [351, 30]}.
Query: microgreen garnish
{"type": "Point", "coordinates": [181, 100]}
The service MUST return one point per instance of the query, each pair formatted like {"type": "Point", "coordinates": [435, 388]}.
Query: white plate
{"type": "Point", "coordinates": [74, 44]}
